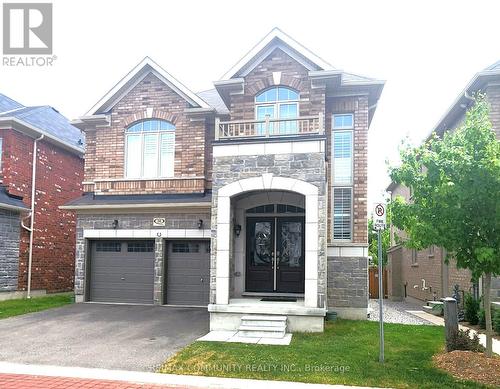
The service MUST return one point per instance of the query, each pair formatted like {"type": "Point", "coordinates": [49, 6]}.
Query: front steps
{"type": "Point", "coordinates": [263, 326]}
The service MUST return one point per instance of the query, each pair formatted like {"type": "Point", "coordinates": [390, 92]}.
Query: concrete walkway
{"type": "Point", "coordinates": [19, 376]}
{"type": "Point", "coordinates": [439, 321]}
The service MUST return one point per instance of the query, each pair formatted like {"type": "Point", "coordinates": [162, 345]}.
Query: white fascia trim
{"type": "Point", "coordinates": [268, 148]}
{"type": "Point", "coordinates": [206, 205]}
{"type": "Point", "coordinates": [347, 250]}
{"type": "Point", "coordinates": [179, 233]}
{"type": "Point", "coordinates": [287, 40]}
{"type": "Point", "coordinates": [22, 126]}
{"type": "Point", "coordinates": [158, 71]}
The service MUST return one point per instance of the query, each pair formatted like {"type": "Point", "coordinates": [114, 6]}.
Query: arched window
{"type": "Point", "coordinates": [279, 103]}
{"type": "Point", "coordinates": [150, 149]}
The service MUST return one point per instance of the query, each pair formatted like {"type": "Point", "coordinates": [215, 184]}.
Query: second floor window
{"type": "Point", "coordinates": [279, 103]}
{"type": "Point", "coordinates": [150, 149]}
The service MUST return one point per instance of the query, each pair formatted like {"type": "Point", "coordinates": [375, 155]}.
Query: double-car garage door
{"type": "Point", "coordinates": [122, 271]}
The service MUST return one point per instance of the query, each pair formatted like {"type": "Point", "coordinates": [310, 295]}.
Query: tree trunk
{"type": "Point", "coordinates": [487, 314]}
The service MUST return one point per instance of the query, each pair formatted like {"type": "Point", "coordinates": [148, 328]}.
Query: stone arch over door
{"type": "Point", "coordinates": [266, 182]}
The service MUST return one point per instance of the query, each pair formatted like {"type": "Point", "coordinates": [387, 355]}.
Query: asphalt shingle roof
{"type": "Point", "coordinates": [7, 200]}
{"type": "Point", "coordinates": [44, 118]}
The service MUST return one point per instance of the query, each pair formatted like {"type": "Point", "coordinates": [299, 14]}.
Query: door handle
{"type": "Point", "coordinates": [201, 279]}
{"type": "Point", "coordinates": [123, 278]}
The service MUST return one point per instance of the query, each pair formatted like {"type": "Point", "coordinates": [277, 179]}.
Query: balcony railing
{"type": "Point", "coordinates": [269, 128]}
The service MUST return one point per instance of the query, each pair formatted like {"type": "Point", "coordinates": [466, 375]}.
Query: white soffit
{"type": "Point", "coordinates": [287, 44]}
{"type": "Point", "coordinates": [146, 66]}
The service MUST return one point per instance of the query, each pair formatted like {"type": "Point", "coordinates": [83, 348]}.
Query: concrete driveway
{"type": "Point", "coordinates": [129, 337]}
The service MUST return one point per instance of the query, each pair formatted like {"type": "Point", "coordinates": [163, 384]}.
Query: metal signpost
{"type": "Point", "coordinates": [379, 221]}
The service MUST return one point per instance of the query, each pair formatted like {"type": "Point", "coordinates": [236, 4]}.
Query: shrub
{"type": "Point", "coordinates": [462, 341]}
{"type": "Point", "coordinates": [482, 319]}
{"type": "Point", "coordinates": [471, 308]}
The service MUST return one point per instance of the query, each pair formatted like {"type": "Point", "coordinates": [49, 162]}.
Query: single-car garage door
{"type": "Point", "coordinates": [188, 273]}
{"type": "Point", "coordinates": [122, 271]}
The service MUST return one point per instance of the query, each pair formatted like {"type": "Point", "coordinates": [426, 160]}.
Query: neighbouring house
{"type": "Point", "coordinates": [423, 274]}
{"type": "Point", "coordinates": [41, 154]}
{"type": "Point", "coordinates": [249, 198]}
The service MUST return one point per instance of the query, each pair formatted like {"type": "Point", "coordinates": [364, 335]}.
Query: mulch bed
{"type": "Point", "coordinates": [468, 365]}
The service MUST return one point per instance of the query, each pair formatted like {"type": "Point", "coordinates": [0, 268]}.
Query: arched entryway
{"type": "Point", "coordinates": [253, 259]}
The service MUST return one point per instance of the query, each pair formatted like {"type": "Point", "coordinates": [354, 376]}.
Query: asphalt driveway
{"type": "Point", "coordinates": [129, 337]}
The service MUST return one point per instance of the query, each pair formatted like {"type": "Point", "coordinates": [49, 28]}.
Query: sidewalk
{"type": "Point", "coordinates": [439, 321]}
{"type": "Point", "coordinates": [19, 376]}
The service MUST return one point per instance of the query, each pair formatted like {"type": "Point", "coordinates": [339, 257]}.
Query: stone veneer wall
{"type": "Point", "coordinates": [9, 249]}
{"type": "Point", "coordinates": [308, 167]}
{"type": "Point", "coordinates": [175, 220]}
{"type": "Point", "coordinates": [347, 283]}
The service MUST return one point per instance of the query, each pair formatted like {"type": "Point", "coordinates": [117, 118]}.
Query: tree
{"type": "Point", "coordinates": [455, 186]}
{"type": "Point", "coordinates": [373, 242]}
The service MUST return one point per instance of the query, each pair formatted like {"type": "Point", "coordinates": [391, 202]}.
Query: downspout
{"type": "Point", "coordinates": [32, 211]}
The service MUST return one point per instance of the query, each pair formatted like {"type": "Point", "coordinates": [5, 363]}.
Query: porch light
{"type": "Point", "coordinates": [200, 224]}
{"type": "Point", "coordinates": [115, 224]}
{"type": "Point", "coordinates": [237, 229]}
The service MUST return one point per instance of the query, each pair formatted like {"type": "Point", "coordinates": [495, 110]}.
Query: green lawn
{"type": "Point", "coordinates": [346, 353]}
{"type": "Point", "coordinates": [16, 307]}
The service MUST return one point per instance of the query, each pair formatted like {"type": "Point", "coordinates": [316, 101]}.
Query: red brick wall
{"type": "Point", "coordinates": [59, 177]}
{"type": "Point", "coordinates": [106, 145]}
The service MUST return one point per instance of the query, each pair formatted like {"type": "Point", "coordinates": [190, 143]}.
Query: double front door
{"type": "Point", "coordinates": [275, 254]}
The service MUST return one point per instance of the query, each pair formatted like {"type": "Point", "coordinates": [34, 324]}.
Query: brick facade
{"type": "Point", "coordinates": [105, 157]}
{"type": "Point", "coordinates": [59, 177]}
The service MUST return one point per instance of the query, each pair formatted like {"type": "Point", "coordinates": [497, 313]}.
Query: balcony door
{"type": "Point", "coordinates": [275, 254]}
{"type": "Point", "coordinates": [277, 103]}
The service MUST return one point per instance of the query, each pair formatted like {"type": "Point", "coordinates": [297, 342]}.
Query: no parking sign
{"type": "Point", "coordinates": [379, 216]}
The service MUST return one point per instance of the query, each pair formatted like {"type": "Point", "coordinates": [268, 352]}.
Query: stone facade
{"type": "Point", "coordinates": [10, 230]}
{"type": "Point", "coordinates": [348, 286]}
{"type": "Point", "coordinates": [58, 180]}
{"type": "Point", "coordinates": [307, 167]}
{"type": "Point", "coordinates": [187, 220]}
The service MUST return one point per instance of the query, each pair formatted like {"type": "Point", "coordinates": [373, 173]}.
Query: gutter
{"type": "Point", "coordinates": [207, 204]}
{"type": "Point", "coordinates": [32, 212]}
{"type": "Point", "coordinates": [13, 208]}
{"type": "Point", "coordinates": [10, 122]}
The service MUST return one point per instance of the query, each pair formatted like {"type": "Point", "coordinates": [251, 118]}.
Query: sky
{"type": "Point", "coordinates": [427, 51]}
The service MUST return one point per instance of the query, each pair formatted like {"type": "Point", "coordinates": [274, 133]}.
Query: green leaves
{"type": "Point", "coordinates": [455, 192]}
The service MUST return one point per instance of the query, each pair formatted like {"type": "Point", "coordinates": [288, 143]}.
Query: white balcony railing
{"type": "Point", "coordinates": [241, 129]}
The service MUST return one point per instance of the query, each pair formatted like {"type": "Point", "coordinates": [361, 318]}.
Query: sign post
{"type": "Point", "coordinates": [379, 221]}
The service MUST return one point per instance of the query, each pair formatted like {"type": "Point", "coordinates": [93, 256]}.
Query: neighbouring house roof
{"type": "Point", "coordinates": [462, 102]}
{"type": "Point", "coordinates": [138, 73]}
{"type": "Point", "coordinates": [10, 202]}
{"type": "Point", "coordinates": [213, 98]}
{"type": "Point", "coordinates": [92, 201]}
{"type": "Point", "coordinates": [41, 120]}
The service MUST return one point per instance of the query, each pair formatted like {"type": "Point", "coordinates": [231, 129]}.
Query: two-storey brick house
{"type": "Point", "coordinates": [424, 274]}
{"type": "Point", "coordinates": [41, 168]}
{"type": "Point", "coordinates": [250, 197]}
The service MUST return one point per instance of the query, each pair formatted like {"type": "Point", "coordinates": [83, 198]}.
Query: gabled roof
{"type": "Point", "coordinates": [457, 109]}
{"type": "Point", "coordinates": [42, 120]}
{"type": "Point", "coordinates": [138, 73]}
{"type": "Point", "coordinates": [276, 39]}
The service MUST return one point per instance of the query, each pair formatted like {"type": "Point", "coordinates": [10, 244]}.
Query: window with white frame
{"type": "Point", "coordinates": [342, 213]}
{"type": "Point", "coordinates": [342, 175]}
{"type": "Point", "coordinates": [150, 149]}
{"type": "Point", "coordinates": [277, 103]}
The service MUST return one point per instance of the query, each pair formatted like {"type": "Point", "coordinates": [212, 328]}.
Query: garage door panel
{"type": "Point", "coordinates": [188, 274]}
{"type": "Point", "coordinates": [121, 276]}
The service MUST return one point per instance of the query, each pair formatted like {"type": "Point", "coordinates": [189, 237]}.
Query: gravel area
{"type": "Point", "coordinates": [396, 312]}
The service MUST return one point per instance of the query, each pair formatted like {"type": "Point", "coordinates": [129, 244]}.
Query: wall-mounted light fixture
{"type": "Point", "coordinates": [200, 224]}
{"type": "Point", "coordinates": [237, 229]}
{"type": "Point", "coordinates": [115, 224]}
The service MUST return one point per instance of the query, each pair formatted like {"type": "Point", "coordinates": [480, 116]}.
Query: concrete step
{"type": "Point", "coordinates": [260, 332]}
{"type": "Point", "coordinates": [264, 317]}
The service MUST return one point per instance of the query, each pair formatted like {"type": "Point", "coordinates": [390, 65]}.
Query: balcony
{"type": "Point", "coordinates": [269, 128]}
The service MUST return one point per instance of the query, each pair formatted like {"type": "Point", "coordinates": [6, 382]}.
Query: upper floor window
{"type": "Point", "coordinates": [279, 103]}
{"type": "Point", "coordinates": [150, 149]}
{"type": "Point", "coordinates": [343, 121]}
{"type": "Point", "coordinates": [342, 157]}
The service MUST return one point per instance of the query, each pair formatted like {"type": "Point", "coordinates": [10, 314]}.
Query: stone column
{"type": "Point", "coordinates": [450, 318]}
{"type": "Point", "coordinates": [158, 269]}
